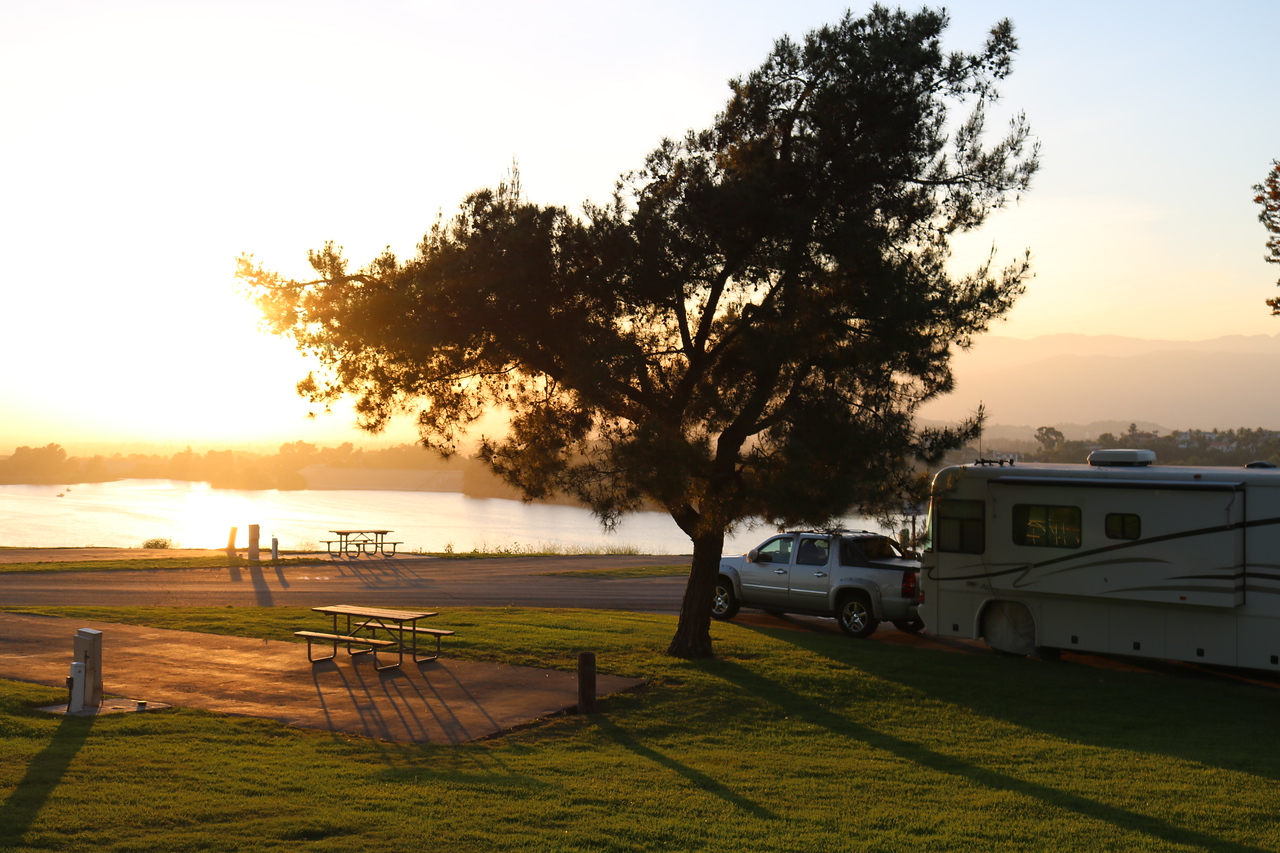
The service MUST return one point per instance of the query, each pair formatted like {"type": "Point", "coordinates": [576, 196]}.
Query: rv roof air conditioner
{"type": "Point", "coordinates": [1123, 458]}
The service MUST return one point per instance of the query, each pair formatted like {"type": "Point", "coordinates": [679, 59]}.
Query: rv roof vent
{"type": "Point", "coordinates": [1260, 464]}
{"type": "Point", "coordinates": [1129, 458]}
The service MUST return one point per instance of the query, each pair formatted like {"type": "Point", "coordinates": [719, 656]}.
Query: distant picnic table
{"type": "Point", "coordinates": [353, 543]}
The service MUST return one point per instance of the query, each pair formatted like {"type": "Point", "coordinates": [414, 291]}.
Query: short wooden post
{"type": "Point", "coordinates": [253, 543]}
{"type": "Point", "coordinates": [586, 682]}
{"type": "Point", "coordinates": [231, 543]}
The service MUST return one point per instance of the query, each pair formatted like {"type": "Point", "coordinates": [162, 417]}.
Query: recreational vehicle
{"type": "Point", "coordinates": [1119, 556]}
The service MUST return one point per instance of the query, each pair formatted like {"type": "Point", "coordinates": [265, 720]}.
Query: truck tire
{"type": "Point", "coordinates": [725, 604]}
{"type": "Point", "coordinates": [855, 616]}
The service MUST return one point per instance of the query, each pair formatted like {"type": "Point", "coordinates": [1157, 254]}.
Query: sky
{"type": "Point", "coordinates": [145, 145]}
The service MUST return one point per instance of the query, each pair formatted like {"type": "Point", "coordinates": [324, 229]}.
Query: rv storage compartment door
{"type": "Point", "coordinates": [1182, 543]}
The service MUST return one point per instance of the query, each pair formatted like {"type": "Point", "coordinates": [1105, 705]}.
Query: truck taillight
{"type": "Point", "coordinates": [911, 586]}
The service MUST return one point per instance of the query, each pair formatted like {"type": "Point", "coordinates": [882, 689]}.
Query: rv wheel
{"type": "Point", "coordinates": [1008, 627]}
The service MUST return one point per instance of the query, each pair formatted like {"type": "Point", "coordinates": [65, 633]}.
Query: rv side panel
{"type": "Point", "coordinates": [1082, 626]}
{"type": "Point", "coordinates": [1186, 546]}
{"type": "Point", "coordinates": [1203, 636]}
{"type": "Point", "coordinates": [1138, 631]}
{"type": "Point", "coordinates": [1259, 638]}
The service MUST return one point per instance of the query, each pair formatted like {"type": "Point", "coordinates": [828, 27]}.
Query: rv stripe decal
{"type": "Point", "coordinates": [1184, 534]}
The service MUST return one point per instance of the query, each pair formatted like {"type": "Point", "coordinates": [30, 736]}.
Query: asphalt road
{"type": "Point", "coordinates": [401, 581]}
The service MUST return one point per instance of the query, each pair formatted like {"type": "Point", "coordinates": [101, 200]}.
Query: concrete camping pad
{"type": "Point", "coordinates": [442, 701]}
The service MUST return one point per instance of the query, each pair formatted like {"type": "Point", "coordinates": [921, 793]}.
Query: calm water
{"type": "Point", "coordinates": [125, 513]}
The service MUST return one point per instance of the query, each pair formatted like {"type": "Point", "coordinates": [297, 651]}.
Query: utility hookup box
{"type": "Point", "coordinates": [88, 651]}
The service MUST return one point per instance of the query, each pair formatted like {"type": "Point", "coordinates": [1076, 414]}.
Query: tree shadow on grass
{"type": "Point", "coordinates": [43, 776]}
{"type": "Point", "coordinates": [798, 705]}
{"type": "Point", "coordinates": [1152, 712]}
{"type": "Point", "coordinates": [697, 778]}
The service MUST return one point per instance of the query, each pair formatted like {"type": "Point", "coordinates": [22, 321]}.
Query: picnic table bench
{"type": "Point", "coordinates": [348, 641]}
{"type": "Point", "coordinates": [353, 543]}
{"type": "Point", "coordinates": [438, 633]}
{"type": "Point", "coordinates": [362, 627]}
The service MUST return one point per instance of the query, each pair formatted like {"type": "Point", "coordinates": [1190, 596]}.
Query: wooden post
{"type": "Point", "coordinates": [231, 543]}
{"type": "Point", "coordinates": [253, 543]}
{"type": "Point", "coordinates": [586, 682]}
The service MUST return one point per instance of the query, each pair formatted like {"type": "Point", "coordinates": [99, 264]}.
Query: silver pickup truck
{"type": "Point", "coordinates": [859, 577]}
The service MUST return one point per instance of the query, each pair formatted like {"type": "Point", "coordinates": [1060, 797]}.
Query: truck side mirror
{"type": "Point", "coordinates": [753, 556]}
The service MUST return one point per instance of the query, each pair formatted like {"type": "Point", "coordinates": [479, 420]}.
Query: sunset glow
{"type": "Point", "coordinates": [148, 144]}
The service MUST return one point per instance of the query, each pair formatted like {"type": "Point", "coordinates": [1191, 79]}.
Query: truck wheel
{"type": "Point", "coordinates": [855, 615]}
{"type": "Point", "coordinates": [725, 604]}
{"type": "Point", "coordinates": [914, 625]}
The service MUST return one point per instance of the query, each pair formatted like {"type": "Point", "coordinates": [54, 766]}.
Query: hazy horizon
{"type": "Point", "coordinates": [1065, 379]}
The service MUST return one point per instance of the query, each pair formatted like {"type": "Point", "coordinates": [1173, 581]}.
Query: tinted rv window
{"type": "Point", "coordinates": [1046, 526]}
{"type": "Point", "coordinates": [1123, 526]}
{"type": "Point", "coordinates": [961, 527]}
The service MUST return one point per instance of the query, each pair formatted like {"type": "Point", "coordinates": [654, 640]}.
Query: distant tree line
{"type": "Point", "coordinates": [1199, 447]}
{"type": "Point", "coordinates": [50, 464]}
{"type": "Point", "coordinates": [241, 469]}
{"type": "Point", "coordinates": [238, 469]}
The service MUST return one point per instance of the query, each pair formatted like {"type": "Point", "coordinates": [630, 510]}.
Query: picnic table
{"type": "Point", "coordinates": [372, 628]}
{"type": "Point", "coordinates": [353, 543]}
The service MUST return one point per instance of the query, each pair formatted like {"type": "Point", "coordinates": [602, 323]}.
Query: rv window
{"type": "Point", "coordinates": [961, 527]}
{"type": "Point", "coordinates": [1046, 526]}
{"type": "Point", "coordinates": [1123, 526]}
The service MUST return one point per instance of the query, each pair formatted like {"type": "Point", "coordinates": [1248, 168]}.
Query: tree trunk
{"type": "Point", "coordinates": [693, 633]}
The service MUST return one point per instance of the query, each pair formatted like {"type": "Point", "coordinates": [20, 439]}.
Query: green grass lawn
{"type": "Point", "coordinates": [789, 741]}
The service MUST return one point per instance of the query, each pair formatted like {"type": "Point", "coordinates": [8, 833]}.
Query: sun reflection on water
{"type": "Point", "coordinates": [125, 513]}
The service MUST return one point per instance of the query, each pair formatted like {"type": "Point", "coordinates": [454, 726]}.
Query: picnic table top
{"type": "Point", "coordinates": [373, 612]}
{"type": "Point", "coordinates": [350, 532]}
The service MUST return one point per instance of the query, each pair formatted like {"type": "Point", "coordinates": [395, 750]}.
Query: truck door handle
{"type": "Point", "coordinates": [779, 571]}
{"type": "Point", "coordinates": [819, 574]}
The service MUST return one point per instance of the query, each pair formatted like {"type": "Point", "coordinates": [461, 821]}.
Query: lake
{"type": "Point", "coordinates": [125, 513]}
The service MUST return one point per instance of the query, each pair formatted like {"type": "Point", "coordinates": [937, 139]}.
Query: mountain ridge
{"type": "Point", "coordinates": [1077, 380]}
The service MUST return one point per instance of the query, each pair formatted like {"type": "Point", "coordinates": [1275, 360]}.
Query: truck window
{"type": "Point", "coordinates": [882, 548]}
{"type": "Point", "coordinates": [1042, 526]}
{"type": "Point", "coordinates": [813, 552]}
{"type": "Point", "coordinates": [858, 552]}
{"type": "Point", "coordinates": [776, 551]}
{"type": "Point", "coordinates": [1123, 525]}
{"type": "Point", "coordinates": [961, 527]}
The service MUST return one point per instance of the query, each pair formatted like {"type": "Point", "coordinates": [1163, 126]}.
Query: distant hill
{"type": "Point", "coordinates": [1105, 382]}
